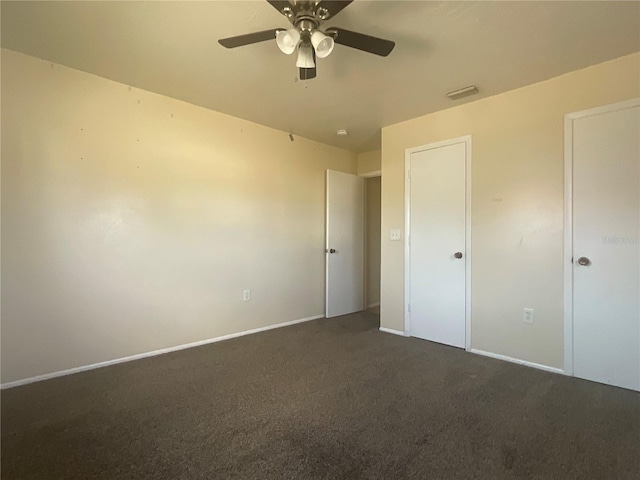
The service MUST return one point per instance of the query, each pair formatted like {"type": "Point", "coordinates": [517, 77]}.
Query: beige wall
{"type": "Point", "coordinates": [373, 241]}
{"type": "Point", "coordinates": [132, 222]}
{"type": "Point", "coordinates": [517, 204]}
{"type": "Point", "coordinates": [369, 162]}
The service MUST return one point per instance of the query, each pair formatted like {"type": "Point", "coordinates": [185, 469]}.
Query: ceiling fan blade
{"type": "Point", "coordinates": [360, 41]}
{"type": "Point", "coordinates": [280, 5]}
{"type": "Point", "coordinates": [307, 73]}
{"type": "Point", "coordinates": [249, 38]}
{"type": "Point", "coordinates": [333, 6]}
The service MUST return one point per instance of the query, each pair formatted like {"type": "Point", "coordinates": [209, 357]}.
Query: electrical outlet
{"type": "Point", "coordinates": [527, 316]}
{"type": "Point", "coordinates": [246, 295]}
{"type": "Point", "coordinates": [395, 235]}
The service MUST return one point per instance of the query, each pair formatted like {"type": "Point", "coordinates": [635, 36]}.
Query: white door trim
{"type": "Point", "coordinates": [568, 219]}
{"type": "Point", "coordinates": [375, 173]}
{"type": "Point", "coordinates": [407, 222]}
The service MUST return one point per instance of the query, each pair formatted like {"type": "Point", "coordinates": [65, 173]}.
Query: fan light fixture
{"type": "Point", "coordinates": [322, 43]}
{"type": "Point", "coordinates": [306, 36]}
{"type": "Point", "coordinates": [288, 40]}
{"type": "Point", "coordinates": [305, 56]}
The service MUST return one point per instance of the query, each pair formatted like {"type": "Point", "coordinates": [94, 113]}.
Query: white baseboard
{"type": "Point", "coordinates": [373, 305]}
{"type": "Point", "coordinates": [394, 332]}
{"type": "Point", "coordinates": [518, 361]}
{"type": "Point", "coordinates": [84, 368]}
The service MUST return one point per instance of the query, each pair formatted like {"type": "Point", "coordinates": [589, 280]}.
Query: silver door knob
{"type": "Point", "coordinates": [458, 255]}
{"type": "Point", "coordinates": [584, 261]}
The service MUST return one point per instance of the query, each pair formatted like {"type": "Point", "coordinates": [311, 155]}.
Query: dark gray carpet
{"type": "Point", "coordinates": [327, 399]}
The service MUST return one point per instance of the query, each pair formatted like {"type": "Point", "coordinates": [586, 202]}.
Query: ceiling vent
{"type": "Point", "coordinates": [463, 92]}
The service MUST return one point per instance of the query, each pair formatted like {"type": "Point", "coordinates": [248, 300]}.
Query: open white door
{"type": "Point", "coordinates": [344, 244]}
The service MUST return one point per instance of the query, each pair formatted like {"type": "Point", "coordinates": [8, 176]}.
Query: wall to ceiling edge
{"type": "Point", "coordinates": [517, 204]}
{"type": "Point", "coordinates": [132, 222]}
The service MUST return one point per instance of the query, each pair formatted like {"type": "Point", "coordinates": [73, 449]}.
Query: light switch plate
{"type": "Point", "coordinates": [395, 235]}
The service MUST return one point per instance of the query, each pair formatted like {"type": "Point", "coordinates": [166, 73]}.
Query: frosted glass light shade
{"type": "Point", "coordinates": [305, 57]}
{"type": "Point", "coordinates": [322, 43]}
{"type": "Point", "coordinates": [287, 40]}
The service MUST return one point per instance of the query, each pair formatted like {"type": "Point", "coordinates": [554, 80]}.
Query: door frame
{"type": "Point", "coordinates": [367, 176]}
{"type": "Point", "coordinates": [568, 218]}
{"type": "Point", "coordinates": [407, 221]}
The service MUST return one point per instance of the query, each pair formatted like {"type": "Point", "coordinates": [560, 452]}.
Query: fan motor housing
{"type": "Point", "coordinates": [306, 16]}
{"type": "Point", "coordinates": [306, 24]}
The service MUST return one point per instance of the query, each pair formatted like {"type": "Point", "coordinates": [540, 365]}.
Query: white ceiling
{"type": "Point", "coordinates": [171, 48]}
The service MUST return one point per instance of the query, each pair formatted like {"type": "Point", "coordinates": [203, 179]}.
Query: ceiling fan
{"type": "Point", "coordinates": [306, 36]}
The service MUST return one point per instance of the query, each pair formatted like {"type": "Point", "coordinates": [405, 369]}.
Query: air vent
{"type": "Point", "coordinates": [463, 92]}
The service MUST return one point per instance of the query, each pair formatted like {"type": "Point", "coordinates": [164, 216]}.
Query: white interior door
{"type": "Point", "coordinates": [345, 244]}
{"type": "Point", "coordinates": [606, 253]}
{"type": "Point", "coordinates": [437, 297]}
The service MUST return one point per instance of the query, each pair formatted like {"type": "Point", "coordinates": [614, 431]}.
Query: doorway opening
{"type": "Point", "coordinates": [353, 238]}
{"type": "Point", "coordinates": [373, 211]}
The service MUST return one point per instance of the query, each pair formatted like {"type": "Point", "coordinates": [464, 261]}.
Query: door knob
{"type": "Point", "coordinates": [332, 250]}
{"type": "Point", "coordinates": [584, 261]}
{"type": "Point", "coordinates": [458, 254]}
